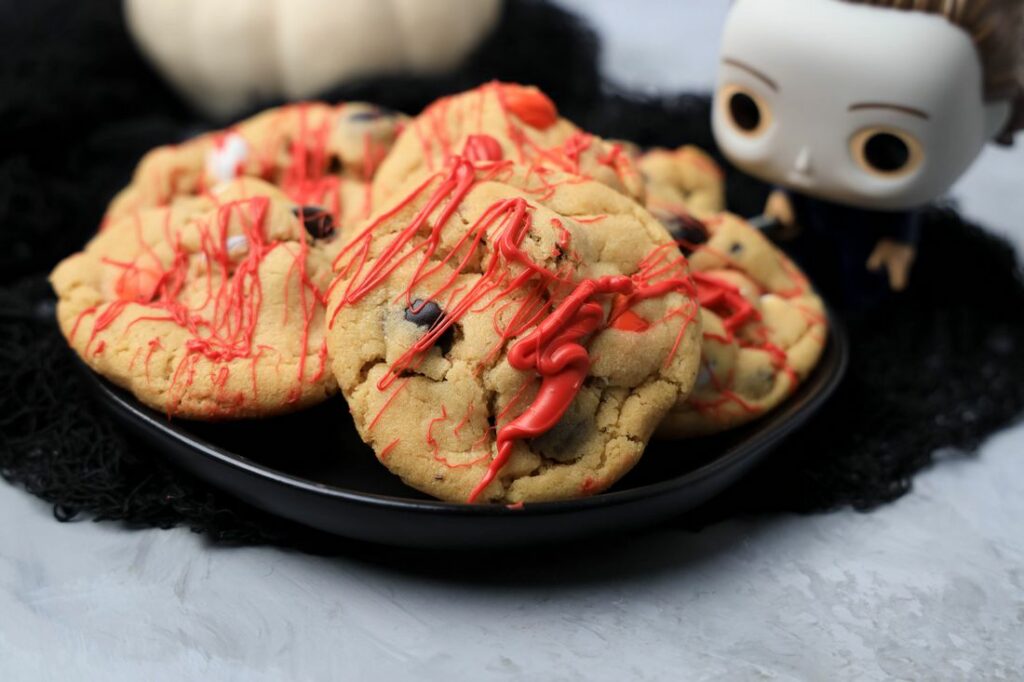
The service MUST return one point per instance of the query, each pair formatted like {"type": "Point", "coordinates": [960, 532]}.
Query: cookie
{"type": "Point", "coordinates": [527, 128]}
{"type": "Point", "coordinates": [764, 327]}
{"type": "Point", "coordinates": [504, 343]}
{"type": "Point", "coordinates": [316, 153]}
{"type": "Point", "coordinates": [684, 180]}
{"type": "Point", "coordinates": [208, 308]}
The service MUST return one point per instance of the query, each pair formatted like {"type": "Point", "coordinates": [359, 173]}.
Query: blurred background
{"type": "Point", "coordinates": [672, 45]}
{"type": "Point", "coordinates": [89, 87]}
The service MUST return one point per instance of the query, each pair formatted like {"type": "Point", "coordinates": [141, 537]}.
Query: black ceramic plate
{"type": "Point", "coordinates": [312, 468]}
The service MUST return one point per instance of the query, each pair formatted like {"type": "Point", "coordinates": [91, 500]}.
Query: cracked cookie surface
{"type": "Point", "coordinates": [764, 326]}
{"type": "Point", "coordinates": [525, 127]}
{"type": "Point", "coordinates": [316, 153]}
{"type": "Point", "coordinates": [506, 337]}
{"type": "Point", "coordinates": [683, 180]}
{"type": "Point", "coordinates": [208, 308]}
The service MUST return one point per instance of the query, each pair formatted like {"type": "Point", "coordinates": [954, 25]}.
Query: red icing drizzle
{"type": "Point", "coordinates": [519, 106]}
{"type": "Point", "coordinates": [631, 322]}
{"type": "Point", "coordinates": [482, 148]}
{"type": "Point", "coordinates": [531, 106]}
{"type": "Point", "coordinates": [553, 345]}
{"type": "Point", "coordinates": [221, 320]}
{"type": "Point", "coordinates": [306, 180]}
{"type": "Point", "coordinates": [387, 450]}
{"type": "Point", "coordinates": [742, 323]}
{"type": "Point", "coordinates": [554, 350]}
{"type": "Point", "coordinates": [307, 176]}
{"type": "Point", "coordinates": [726, 301]}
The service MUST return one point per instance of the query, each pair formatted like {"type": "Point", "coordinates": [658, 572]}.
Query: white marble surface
{"type": "Point", "coordinates": [931, 587]}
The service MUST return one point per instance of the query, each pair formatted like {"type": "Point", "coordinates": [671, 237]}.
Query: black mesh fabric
{"type": "Point", "coordinates": [937, 370]}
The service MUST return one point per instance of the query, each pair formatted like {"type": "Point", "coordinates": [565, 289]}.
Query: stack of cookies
{"type": "Point", "coordinates": [510, 306]}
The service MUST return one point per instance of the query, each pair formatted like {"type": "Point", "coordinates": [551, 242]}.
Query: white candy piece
{"type": "Point", "coordinates": [237, 243]}
{"type": "Point", "coordinates": [224, 162]}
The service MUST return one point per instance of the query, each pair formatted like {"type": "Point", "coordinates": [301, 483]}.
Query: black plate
{"type": "Point", "coordinates": [312, 468]}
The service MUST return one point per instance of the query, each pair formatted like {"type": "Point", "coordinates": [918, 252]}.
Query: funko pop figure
{"type": "Point", "coordinates": [861, 112]}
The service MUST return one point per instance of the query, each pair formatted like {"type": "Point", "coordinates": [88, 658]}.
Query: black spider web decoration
{"type": "Point", "coordinates": [940, 368]}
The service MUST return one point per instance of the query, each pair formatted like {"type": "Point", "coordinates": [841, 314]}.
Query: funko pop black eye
{"type": "Point", "coordinates": [745, 112]}
{"type": "Point", "coordinates": [886, 152]}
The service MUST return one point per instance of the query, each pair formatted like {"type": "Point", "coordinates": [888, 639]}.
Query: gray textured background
{"type": "Point", "coordinates": [931, 587]}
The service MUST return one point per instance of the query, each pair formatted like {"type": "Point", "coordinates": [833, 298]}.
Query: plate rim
{"type": "Point", "coordinates": [124, 402]}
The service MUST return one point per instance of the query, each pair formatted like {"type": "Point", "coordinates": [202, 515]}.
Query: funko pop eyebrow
{"type": "Point", "coordinates": [996, 27]}
{"type": "Point", "coordinates": [894, 107]}
{"type": "Point", "coordinates": [752, 71]}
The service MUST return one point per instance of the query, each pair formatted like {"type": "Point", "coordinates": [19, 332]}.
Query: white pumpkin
{"type": "Point", "coordinates": [226, 55]}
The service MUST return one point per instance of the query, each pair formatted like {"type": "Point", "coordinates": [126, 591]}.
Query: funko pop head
{"type": "Point", "coordinates": [860, 103]}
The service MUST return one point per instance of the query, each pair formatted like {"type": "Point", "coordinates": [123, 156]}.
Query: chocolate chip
{"type": "Point", "coordinates": [692, 232]}
{"type": "Point", "coordinates": [736, 248]}
{"type": "Point", "coordinates": [424, 314]}
{"type": "Point", "coordinates": [318, 222]}
{"type": "Point", "coordinates": [371, 114]}
{"type": "Point", "coordinates": [429, 314]}
{"type": "Point", "coordinates": [686, 230]}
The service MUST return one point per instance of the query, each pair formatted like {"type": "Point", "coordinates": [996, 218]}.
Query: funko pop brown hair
{"type": "Point", "coordinates": [997, 29]}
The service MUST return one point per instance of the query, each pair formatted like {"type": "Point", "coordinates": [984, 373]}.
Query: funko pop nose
{"type": "Point", "coordinates": [801, 175]}
{"type": "Point", "coordinates": [803, 161]}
